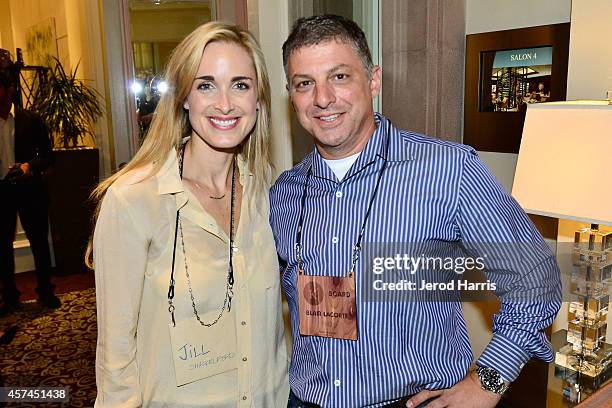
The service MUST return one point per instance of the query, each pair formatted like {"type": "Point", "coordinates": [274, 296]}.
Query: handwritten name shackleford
{"type": "Point", "coordinates": [191, 352]}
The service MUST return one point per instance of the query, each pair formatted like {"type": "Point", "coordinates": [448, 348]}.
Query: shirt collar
{"type": "Point", "coordinates": [168, 178]}
{"type": "Point", "coordinates": [398, 150]}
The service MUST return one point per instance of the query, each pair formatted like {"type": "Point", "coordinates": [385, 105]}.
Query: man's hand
{"type": "Point", "coordinates": [467, 393]}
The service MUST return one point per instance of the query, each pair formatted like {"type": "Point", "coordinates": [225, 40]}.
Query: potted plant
{"type": "Point", "coordinates": [70, 108]}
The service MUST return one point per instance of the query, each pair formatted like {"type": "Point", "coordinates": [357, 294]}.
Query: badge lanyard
{"type": "Point", "coordinates": [229, 293]}
{"type": "Point", "coordinates": [327, 304]}
{"type": "Point", "coordinates": [357, 246]}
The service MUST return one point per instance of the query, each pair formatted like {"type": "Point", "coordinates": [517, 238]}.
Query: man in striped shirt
{"type": "Point", "coordinates": [367, 182]}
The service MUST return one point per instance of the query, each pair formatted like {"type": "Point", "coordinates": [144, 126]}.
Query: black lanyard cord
{"type": "Point", "coordinates": [230, 276]}
{"type": "Point", "coordinates": [229, 294]}
{"type": "Point", "coordinates": [357, 246]}
{"type": "Point", "coordinates": [171, 288]}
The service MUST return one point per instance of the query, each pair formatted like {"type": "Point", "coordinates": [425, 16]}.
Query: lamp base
{"type": "Point", "coordinates": [597, 365]}
{"type": "Point", "coordinates": [578, 387]}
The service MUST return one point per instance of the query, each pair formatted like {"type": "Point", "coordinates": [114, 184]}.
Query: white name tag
{"type": "Point", "coordinates": [201, 352]}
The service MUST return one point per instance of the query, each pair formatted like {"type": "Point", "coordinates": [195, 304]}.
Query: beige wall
{"type": "Point", "coordinates": [590, 61]}
{"type": "Point", "coordinates": [494, 15]}
{"type": "Point", "coordinates": [26, 13]}
{"type": "Point", "coordinates": [84, 48]}
{"type": "Point", "coordinates": [72, 28]}
{"type": "Point", "coordinates": [6, 33]}
{"type": "Point", "coordinates": [269, 21]}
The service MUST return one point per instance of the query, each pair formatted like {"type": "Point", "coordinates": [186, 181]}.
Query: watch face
{"type": "Point", "coordinates": [490, 380]}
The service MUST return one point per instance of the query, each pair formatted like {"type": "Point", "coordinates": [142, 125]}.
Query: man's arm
{"type": "Point", "coordinates": [520, 263]}
{"type": "Point", "coordinates": [524, 269]}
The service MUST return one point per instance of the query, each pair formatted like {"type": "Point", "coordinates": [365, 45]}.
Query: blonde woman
{"type": "Point", "coordinates": [187, 283]}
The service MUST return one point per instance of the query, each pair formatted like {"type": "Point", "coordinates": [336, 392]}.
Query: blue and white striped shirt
{"type": "Point", "coordinates": [431, 190]}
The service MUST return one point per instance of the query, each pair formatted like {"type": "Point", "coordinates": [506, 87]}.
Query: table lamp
{"type": "Point", "coordinates": [564, 171]}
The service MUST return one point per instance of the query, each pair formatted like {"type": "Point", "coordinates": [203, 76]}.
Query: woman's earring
{"type": "Point", "coordinates": [186, 106]}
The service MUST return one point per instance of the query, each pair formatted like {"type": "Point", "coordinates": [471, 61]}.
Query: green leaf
{"type": "Point", "coordinates": [68, 106]}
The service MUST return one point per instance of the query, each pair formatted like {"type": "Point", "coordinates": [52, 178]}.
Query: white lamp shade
{"type": "Point", "coordinates": [563, 167]}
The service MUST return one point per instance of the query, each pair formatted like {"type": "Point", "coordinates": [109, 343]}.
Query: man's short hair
{"type": "Point", "coordinates": [328, 27]}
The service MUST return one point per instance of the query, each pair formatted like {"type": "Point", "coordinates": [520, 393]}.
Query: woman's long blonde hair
{"type": "Point", "coordinates": [171, 122]}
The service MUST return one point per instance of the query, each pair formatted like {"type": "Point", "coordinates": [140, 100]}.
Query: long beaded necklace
{"type": "Point", "coordinates": [229, 292]}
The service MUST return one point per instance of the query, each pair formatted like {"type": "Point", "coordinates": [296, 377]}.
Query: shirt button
{"type": "Point", "coordinates": [235, 249]}
{"type": "Point", "coordinates": [244, 359]}
{"type": "Point", "coordinates": [243, 323]}
{"type": "Point", "coordinates": [244, 397]}
{"type": "Point", "coordinates": [339, 194]}
{"type": "Point", "coordinates": [335, 240]}
{"type": "Point", "coordinates": [337, 383]}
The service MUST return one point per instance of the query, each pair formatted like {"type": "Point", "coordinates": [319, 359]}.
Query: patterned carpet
{"type": "Point", "coordinates": [53, 348]}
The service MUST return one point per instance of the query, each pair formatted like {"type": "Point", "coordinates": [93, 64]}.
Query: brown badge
{"type": "Point", "coordinates": [327, 306]}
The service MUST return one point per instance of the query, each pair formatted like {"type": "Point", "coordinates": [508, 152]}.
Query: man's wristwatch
{"type": "Point", "coordinates": [490, 380]}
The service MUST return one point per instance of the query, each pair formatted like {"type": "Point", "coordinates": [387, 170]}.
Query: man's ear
{"type": "Point", "coordinates": [376, 80]}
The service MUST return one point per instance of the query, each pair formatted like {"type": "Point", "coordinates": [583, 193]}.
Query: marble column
{"type": "Point", "coordinates": [423, 57]}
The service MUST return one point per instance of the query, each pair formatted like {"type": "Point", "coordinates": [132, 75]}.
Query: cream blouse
{"type": "Point", "coordinates": [133, 255]}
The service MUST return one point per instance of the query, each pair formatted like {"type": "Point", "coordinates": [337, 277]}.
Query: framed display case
{"type": "Point", "coordinates": [505, 71]}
